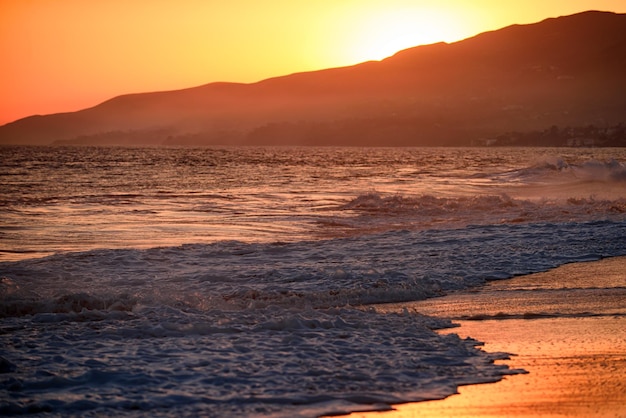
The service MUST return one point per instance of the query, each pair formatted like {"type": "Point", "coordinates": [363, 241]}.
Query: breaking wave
{"type": "Point", "coordinates": [557, 168]}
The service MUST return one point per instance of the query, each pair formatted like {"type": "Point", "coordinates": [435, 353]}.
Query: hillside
{"type": "Point", "coordinates": [566, 71]}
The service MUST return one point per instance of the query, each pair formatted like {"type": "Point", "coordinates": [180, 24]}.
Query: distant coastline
{"type": "Point", "coordinates": [318, 135]}
{"type": "Point", "coordinates": [578, 136]}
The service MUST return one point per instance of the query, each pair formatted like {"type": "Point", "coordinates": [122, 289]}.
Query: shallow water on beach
{"type": "Point", "coordinates": [575, 369]}
{"type": "Point", "coordinates": [572, 291]}
{"type": "Point", "coordinates": [241, 282]}
{"type": "Point", "coordinates": [575, 357]}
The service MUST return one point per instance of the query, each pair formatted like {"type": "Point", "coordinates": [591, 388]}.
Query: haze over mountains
{"type": "Point", "coordinates": [566, 71]}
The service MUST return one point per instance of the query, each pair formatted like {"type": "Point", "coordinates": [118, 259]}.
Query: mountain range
{"type": "Point", "coordinates": [565, 71]}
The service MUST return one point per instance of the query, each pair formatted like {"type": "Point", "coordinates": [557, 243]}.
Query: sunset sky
{"type": "Point", "coordinates": [65, 55]}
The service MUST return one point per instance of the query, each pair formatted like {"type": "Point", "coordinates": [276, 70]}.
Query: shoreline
{"type": "Point", "coordinates": [576, 364]}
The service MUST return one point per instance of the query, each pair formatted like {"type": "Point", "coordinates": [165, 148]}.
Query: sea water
{"type": "Point", "coordinates": [243, 281]}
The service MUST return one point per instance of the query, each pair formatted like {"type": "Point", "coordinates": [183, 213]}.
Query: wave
{"type": "Point", "coordinates": [427, 204]}
{"type": "Point", "coordinates": [393, 266]}
{"type": "Point", "coordinates": [15, 303]}
{"type": "Point", "coordinates": [557, 168]}
{"type": "Point", "coordinates": [374, 211]}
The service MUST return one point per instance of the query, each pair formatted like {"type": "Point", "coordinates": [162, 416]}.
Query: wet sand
{"type": "Point", "coordinates": [568, 330]}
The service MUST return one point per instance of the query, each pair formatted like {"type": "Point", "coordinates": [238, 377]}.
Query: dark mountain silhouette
{"type": "Point", "coordinates": [562, 71]}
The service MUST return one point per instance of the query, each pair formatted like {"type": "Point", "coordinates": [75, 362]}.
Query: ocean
{"type": "Point", "coordinates": [246, 281]}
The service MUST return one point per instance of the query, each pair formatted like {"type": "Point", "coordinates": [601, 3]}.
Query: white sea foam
{"type": "Point", "coordinates": [233, 328]}
{"type": "Point", "coordinates": [387, 267]}
{"type": "Point", "coordinates": [166, 361]}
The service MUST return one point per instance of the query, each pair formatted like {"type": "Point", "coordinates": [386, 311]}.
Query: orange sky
{"type": "Point", "coordinates": [65, 55]}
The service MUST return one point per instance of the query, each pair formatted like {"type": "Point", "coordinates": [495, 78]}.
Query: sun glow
{"type": "Point", "coordinates": [64, 55]}
{"type": "Point", "coordinates": [382, 33]}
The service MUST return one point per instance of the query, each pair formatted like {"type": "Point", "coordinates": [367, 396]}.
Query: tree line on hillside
{"type": "Point", "coordinates": [362, 132]}
{"type": "Point", "coordinates": [409, 132]}
{"type": "Point", "coordinates": [569, 136]}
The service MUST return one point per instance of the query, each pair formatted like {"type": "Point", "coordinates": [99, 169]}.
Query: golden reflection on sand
{"type": "Point", "coordinates": [577, 366]}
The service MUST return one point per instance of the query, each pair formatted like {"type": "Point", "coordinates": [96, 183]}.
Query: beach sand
{"type": "Point", "coordinates": [576, 363]}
